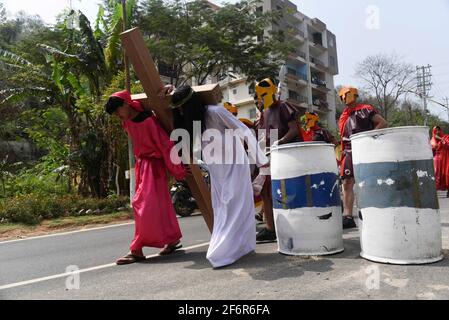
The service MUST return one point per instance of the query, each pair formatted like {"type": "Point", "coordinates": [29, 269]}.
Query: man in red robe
{"type": "Point", "coordinates": [437, 145]}
{"type": "Point", "coordinates": [440, 148]}
{"type": "Point", "coordinates": [156, 224]}
{"type": "Point", "coordinates": [355, 118]}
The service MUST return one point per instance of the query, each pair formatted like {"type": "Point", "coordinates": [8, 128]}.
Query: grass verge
{"type": "Point", "coordinates": [10, 231]}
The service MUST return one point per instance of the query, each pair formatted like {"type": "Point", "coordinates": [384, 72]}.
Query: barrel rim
{"type": "Point", "coordinates": [383, 131]}
{"type": "Point", "coordinates": [300, 144]}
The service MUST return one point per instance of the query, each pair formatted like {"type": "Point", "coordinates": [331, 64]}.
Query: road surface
{"type": "Point", "coordinates": [41, 268]}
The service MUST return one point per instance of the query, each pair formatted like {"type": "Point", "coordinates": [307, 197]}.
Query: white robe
{"type": "Point", "coordinates": [234, 231]}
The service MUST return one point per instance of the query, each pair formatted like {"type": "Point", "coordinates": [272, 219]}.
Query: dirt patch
{"type": "Point", "coordinates": [18, 231]}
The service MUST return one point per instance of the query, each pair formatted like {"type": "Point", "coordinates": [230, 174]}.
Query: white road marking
{"type": "Point", "coordinates": [67, 274]}
{"type": "Point", "coordinates": [68, 232]}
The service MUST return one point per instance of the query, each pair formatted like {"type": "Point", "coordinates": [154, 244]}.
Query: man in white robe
{"type": "Point", "coordinates": [222, 143]}
{"type": "Point", "coordinates": [234, 232]}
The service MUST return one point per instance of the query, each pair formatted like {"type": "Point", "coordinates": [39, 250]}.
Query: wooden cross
{"type": "Point", "coordinates": [146, 71]}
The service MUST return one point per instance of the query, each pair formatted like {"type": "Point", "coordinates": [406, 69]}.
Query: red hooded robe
{"type": "Point", "coordinates": [155, 218]}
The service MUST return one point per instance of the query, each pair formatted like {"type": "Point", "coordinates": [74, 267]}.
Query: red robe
{"type": "Point", "coordinates": [441, 161]}
{"type": "Point", "coordinates": [155, 218]}
{"type": "Point", "coordinates": [437, 159]}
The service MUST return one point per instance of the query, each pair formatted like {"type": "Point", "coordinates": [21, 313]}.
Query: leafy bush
{"type": "Point", "coordinates": [33, 208]}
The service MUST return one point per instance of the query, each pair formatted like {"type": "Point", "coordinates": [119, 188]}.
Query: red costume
{"type": "Point", "coordinates": [440, 148]}
{"type": "Point", "coordinates": [306, 135]}
{"type": "Point", "coordinates": [352, 121]}
{"type": "Point", "coordinates": [156, 224]}
{"type": "Point", "coordinates": [320, 134]}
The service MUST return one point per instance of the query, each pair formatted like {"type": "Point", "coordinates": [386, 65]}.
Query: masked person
{"type": "Point", "coordinates": [355, 118]}
{"type": "Point", "coordinates": [440, 148]}
{"type": "Point", "coordinates": [156, 224]}
{"type": "Point", "coordinates": [234, 231]}
{"type": "Point", "coordinates": [316, 132]}
{"type": "Point", "coordinates": [280, 116]}
{"type": "Point", "coordinates": [231, 108]}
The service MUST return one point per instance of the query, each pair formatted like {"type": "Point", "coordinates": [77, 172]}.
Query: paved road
{"type": "Point", "coordinates": [35, 270]}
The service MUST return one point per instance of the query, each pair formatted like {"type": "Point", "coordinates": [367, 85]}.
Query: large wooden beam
{"type": "Point", "coordinates": [146, 71]}
{"type": "Point", "coordinates": [210, 93]}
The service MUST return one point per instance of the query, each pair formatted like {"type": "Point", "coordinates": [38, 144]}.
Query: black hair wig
{"type": "Point", "coordinates": [113, 104]}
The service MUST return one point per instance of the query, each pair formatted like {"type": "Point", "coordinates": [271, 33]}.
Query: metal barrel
{"type": "Point", "coordinates": [306, 199]}
{"type": "Point", "coordinates": [395, 187]}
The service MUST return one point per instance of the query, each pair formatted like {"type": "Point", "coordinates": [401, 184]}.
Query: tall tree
{"type": "Point", "coordinates": [387, 78]}
{"type": "Point", "coordinates": [198, 41]}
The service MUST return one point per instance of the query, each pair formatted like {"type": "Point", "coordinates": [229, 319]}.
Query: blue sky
{"type": "Point", "coordinates": [416, 30]}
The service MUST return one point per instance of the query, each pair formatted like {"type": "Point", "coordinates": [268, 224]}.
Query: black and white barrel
{"type": "Point", "coordinates": [396, 193]}
{"type": "Point", "coordinates": [306, 199]}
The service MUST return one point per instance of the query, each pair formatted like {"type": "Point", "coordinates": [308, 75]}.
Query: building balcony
{"type": "Point", "coordinates": [300, 36]}
{"type": "Point", "coordinates": [317, 61]}
{"type": "Point", "coordinates": [299, 55]}
{"type": "Point", "coordinates": [321, 88]}
{"type": "Point", "coordinates": [318, 24]}
{"type": "Point", "coordinates": [298, 16]}
{"type": "Point", "coordinates": [298, 104]}
{"type": "Point", "coordinates": [302, 55]}
{"type": "Point", "coordinates": [319, 85]}
{"type": "Point", "coordinates": [303, 77]}
{"type": "Point", "coordinates": [292, 76]}
{"type": "Point", "coordinates": [319, 65]}
{"type": "Point", "coordinates": [317, 46]}
{"type": "Point", "coordinates": [321, 103]}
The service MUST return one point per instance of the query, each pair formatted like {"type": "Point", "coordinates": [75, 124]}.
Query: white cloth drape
{"type": "Point", "coordinates": [234, 232]}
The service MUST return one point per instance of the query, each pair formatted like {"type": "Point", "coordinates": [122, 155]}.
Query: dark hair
{"type": "Point", "coordinates": [113, 104]}
{"type": "Point", "coordinates": [193, 109]}
{"type": "Point", "coordinates": [265, 84]}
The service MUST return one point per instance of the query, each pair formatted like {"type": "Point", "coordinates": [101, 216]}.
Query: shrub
{"type": "Point", "coordinates": [31, 209]}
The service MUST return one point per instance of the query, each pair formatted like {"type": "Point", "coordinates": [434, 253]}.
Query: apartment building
{"type": "Point", "coordinates": [307, 78]}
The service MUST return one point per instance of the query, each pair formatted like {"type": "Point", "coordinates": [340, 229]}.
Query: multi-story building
{"type": "Point", "coordinates": [307, 78]}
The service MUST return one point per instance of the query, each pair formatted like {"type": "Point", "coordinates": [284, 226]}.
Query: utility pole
{"type": "Point", "coordinates": [424, 77]}
{"type": "Point", "coordinates": [132, 161]}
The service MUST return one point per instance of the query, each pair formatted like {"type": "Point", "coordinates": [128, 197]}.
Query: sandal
{"type": "Point", "coordinates": [170, 248]}
{"type": "Point", "coordinates": [130, 258]}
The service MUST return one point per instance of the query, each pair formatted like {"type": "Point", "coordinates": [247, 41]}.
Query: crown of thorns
{"type": "Point", "coordinates": [183, 101]}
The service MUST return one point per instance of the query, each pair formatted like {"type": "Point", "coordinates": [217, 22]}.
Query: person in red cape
{"type": "Point", "coordinates": [355, 118]}
{"type": "Point", "coordinates": [314, 132]}
{"type": "Point", "coordinates": [437, 145]}
{"type": "Point", "coordinates": [444, 156]}
{"type": "Point", "coordinates": [155, 218]}
{"type": "Point", "coordinates": [440, 148]}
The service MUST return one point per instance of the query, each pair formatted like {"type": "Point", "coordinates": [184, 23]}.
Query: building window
{"type": "Point", "coordinates": [252, 89]}
{"type": "Point", "coordinates": [332, 61]}
{"type": "Point", "coordinates": [292, 95]}
{"type": "Point", "coordinates": [253, 113]}
{"type": "Point", "coordinates": [331, 42]}
{"type": "Point", "coordinates": [291, 71]}
{"type": "Point", "coordinates": [234, 91]}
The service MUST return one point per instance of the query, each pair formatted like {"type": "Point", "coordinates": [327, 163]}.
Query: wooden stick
{"type": "Point", "coordinates": [146, 71]}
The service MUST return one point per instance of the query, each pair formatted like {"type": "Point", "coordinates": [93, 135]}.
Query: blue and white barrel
{"type": "Point", "coordinates": [306, 199]}
{"type": "Point", "coordinates": [396, 193]}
